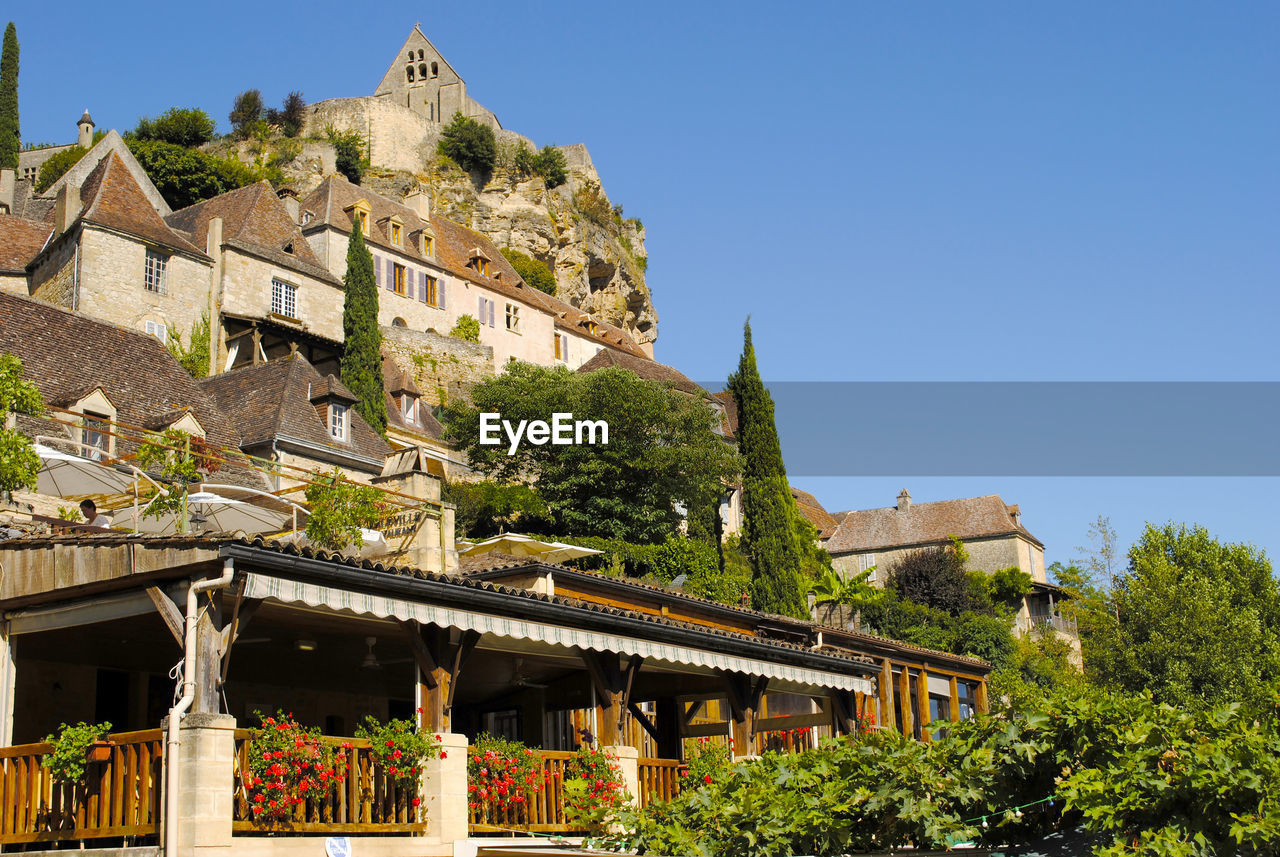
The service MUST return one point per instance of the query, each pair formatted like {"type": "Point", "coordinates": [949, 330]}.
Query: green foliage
{"type": "Point", "coordinates": [19, 463]}
{"type": "Point", "coordinates": [589, 201]}
{"type": "Point", "coordinates": [593, 788]}
{"type": "Point", "coordinates": [768, 510]}
{"type": "Point", "coordinates": [56, 167]}
{"type": "Point", "coordinates": [246, 113]}
{"type": "Point", "coordinates": [486, 508]}
{"type": "Point", "coordinates": [727, 585]}
{"type": "Point", "coordinates": [291, 116]}
{"type": "Point", "coordinates": [180, 459]}
{"type": "Point", "coordinates": [466, 328]}
{"type": "Point", "coordinates": [67, 762]}
{"type": "Point", "coordinates": [187, 127]}
{"type": "Point", "coordinates": [195, 356]}
{"type": "Point", "coordinates": [10, 129]}
{"type": "Point", "coordinates": [1199, 622]}
{"type": "Point", "coordinates": [548, 162]}
{"type": "Point", "coordinates": [340, 509]}
{"type": "Point", "coordinates": [399, 748]}
{"type": "Point", "coordinates": [288, 763]}
{"type": "Point", "coordinates": [533, 271]}
{"type": "Point", "coordinates": [501, 775]}
{"type": "Point", "coordinates": [187, 176]}
{"type": "Point", "coordinates": [362, 338]}
{"type": "Point", "coordinates": [660, 563]}
{"type": "Point", "coordinates": [661, 453]}
{"type": "Point", "coordinates": [470, 144]}
{"type": "Point", "coordinates": [349, 153]}
{"type": "Point", "coordinates": [708, 760]}
{"type": "Point", "coordinates": [935, 577]}
{"type": "Point", "coordinates": [855, 592]}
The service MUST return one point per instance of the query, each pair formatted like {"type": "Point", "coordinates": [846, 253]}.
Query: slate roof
{"type": "Point", "coordinates": [68, 355]}
{"type": "Point", "coordinates": [256, 221]}
{"type": "Point", "coordinates": [396, 380]}
{"type": "Point", "coordinates": [454, 246]}
{"type": "Point", "coordinates": [648, 369]}
{"type": "Point", "coordinates": [925, 523]}
{"type": "Point", "coordinates": [111, 197]}
{"type": "Point", "coordinates": [814, 512]}
{"type": "Point", "coordinates": [20, 241]}
{"type": "Point", "coordinates": [274, 399]}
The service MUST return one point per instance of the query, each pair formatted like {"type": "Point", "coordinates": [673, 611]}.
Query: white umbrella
{"type": "Point", "coordinates": [516, 544]}
{"type": "Point", "coordinates": [375, 544]}
{"type": "Point", "coordinates": [210, 512]}
{"type": "Point", "coordinates": [64, 475]}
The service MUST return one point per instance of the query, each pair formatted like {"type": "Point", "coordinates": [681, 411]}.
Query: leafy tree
{"type": "Point", "coordinates": [533, 271]}
{"type": "Point", "coordinates": [466, 328]}
{"type": "Point", "coordinates": [470, 144]}
{"type": "Point", "coordinates": [339, 509]}
{"type": "Point", "coordinates": [548, 162]}
{"type": "Point", "coordinates": [291, 116]}
{"type": "Point", "coordinates": [182, 460]}
{"type": "Point", "coordinates": [10, 131]}
{"type": "Point", "coordinates": [661, 453]}
{"type": "Point", "coordinates": [187, 127]}
{"type": "Point", "coordinates": [195, 356]}
{"type": "Point", "coordinates": [934, 577]}
{"type": "Point", "coordinates": [729, 584]}
{"type": "Point", "coordinates": [57, 165]}
{"type": "Point", "coordinates": [1199, 622]}
{"type": "Point", "coordinates": [362, 338]}
{"type": "Point", "coordinates": [246, 113]}
{"type": "Point", "coordinates": [19, 463]}
{"type": "Point", "coordinates": [348, 148]}
{"type": "Point", "coordinates": [187, 176]}
{"type": "Point", "coordinates": [767, 506]}
{"type": "Point", "coordinates": [486, 508]}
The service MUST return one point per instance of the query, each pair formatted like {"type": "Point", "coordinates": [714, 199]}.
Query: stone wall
{"type": "Point", "coordinates": [54, 279]}
{"type": "Point", "coordinates": [987, 555]}
{"type": "Point", "coordinates": [444, 367]}
{"type": "Point", "coordinates": [246, 290]}
{"type": "Point", "coordinates": [399, 139]}
{"type": "Point", "coordinates": [14, 284]}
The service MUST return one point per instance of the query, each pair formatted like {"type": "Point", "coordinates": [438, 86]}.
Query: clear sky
{"type": "Point", "coordinates": [893, 191]}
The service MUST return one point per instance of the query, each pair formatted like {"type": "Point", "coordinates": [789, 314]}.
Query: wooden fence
{"type": "Point", "coordinates": [119, 797]}
{"type": "Point", "coordinates": [367, 800]}
{"type": "Point", "coordinates": [659, 780]}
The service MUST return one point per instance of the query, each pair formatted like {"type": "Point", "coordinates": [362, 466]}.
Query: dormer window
{"type": "Point", "coordinates": [479, 263]}
{"type": "Point", "coordinates": [359, 212]}
{"type": "Point", "coordinates": [339, 424]}
{"type": "Point", "coordinates": [395, 231]}
{"type": "Point", "coordinates": [592, 327]}
{"type": "Point", "coordinates": [95, 436]}
{"type": "Point", "coordinates": [307, 217]}
{"type": "Point", "coordinates": [428, 245]}
{"type": "Point", "coordinates": [409, 408]}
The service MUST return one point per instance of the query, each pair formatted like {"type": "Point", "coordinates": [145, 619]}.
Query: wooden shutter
{"type": "Point", "coordinates": [440, 293]}
{"type": "Point", "coordinates": [480, 315]}
{"type": "Point", "coordinates": [377, 269]}
{"type": "Point", "coordinates": [492, 305]}
{"type": "Point", "coordinates": [422, 286]}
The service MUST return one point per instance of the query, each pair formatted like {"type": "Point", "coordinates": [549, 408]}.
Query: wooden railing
{"type": "Point", "coordinates": [119, 797]}
{"type": "Point", "coordinates": [542, 813]}
{"type": "Point", "coordinates": [659, 780]}
{"type": "Point", "coordinates": [367, 800]}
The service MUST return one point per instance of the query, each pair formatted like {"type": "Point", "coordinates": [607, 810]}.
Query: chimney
{"type": "Point", "coordinates": [904, 500]}
{"type": "Point", "coordinates": [420, 201]}
{"type": "Point", "coordinates": [8, 180]}
{"type": "Point", "coordinates": [1016, 514]}
{"type": "Point", "coordinates": [289, 197]}
{"type": "Point", "coordinates": [66, 207]}
{"type": "Point", "coordinates": [85, 125]}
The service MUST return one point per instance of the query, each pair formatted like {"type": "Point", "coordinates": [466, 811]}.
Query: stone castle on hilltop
{"type": "Point", "coordinates": [421, 79]}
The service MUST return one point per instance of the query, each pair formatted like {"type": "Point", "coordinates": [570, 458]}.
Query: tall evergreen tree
{"type": "Point", "coordinates": [362, 339]}
{"type": "Point", "coordinates": [10, 133]}
{"type": "Point", "coordinates": [768, 509]}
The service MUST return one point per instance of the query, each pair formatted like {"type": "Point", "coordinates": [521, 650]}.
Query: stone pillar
{"type": "Point", "coordinates": [444, 789]}
{"type": "Point", "coordinates": [8, 685]}
{"type": "Point", "coordinates": [206, 771]}
{"type": "Point", "coordinates": [628, 762]}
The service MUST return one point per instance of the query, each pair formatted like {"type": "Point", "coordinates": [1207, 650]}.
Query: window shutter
{"type": "Point", "coordinates": [491, 307]}
{"type": "Point", "coordinates": [389, 275]}
{"type": "Point", "coordinates": [377, 270]}
{"type": "Point", "coordinates": [440, 293]}
{"type": "Point", "coordinates": [422, 286]}
{"type": "Point", "coordinates": [480, 315]}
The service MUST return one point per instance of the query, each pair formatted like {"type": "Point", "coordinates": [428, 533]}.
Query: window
{"type": "Point", "coordinates": [337, 421]}
{"type": "Point", "coordinates": [157, 329]}
{"type": "Point", "coordinates": [867, 561]}
{"type": "Point", "coordinates": [428, 245]}
{"type": "Point", "coordinates": [307, 217]}
{"type": "Point", "coordinates": [396, 232]}
{"type": "Point", "coordinates": [397, 278]}
{"type": "Point", "coordinates": [435, 70]}
{"type": "Point", "coordinates": [562, 347]}
{"type": "Point", "coordinates": [95, 437]}
{"type": "Point", "coordinates": [154, 276]}
{"type": "Point", "coordinates": [480, 265]}
{"type": "Point", "coordinates": [431, 290]}
{"type": "Point", "coordinates": [284, 298]}
{"type": "Point", "coordinates": [513, 318]}
{"type": "Point", "coordinates": [422, 71]}
{"type": "Point", "coordinates": [409, 408]}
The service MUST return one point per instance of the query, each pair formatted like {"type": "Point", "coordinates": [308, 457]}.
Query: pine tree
{"type": "Point", "coordinates": [10, 134]}
{"type": "Point", "coordinates": [362, 339]}
{"type": "Point", "coordinates": [768, 509]}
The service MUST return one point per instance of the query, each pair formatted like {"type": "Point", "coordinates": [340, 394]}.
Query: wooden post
{"type": "Point", "coordinates": [208, 656]}
{"type": "Point", "coordinates": [887, 717]}
{"type": "Point", "coordinates": [609, 684]}
{"type": "Point", "coordinates": [981, 697]}
{"type": "Point", "coordinates": [955, 701]}
{"type": "Point", "coordinates": [922, 695]}
{"type": "Point", "coordinates": [908, 712]}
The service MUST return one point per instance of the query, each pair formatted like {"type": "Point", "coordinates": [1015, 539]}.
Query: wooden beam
{"type": "Point", "coordinates": [633, 667]}
{"type": "Point", "coordinates": [687, 717]}
{"type": "Point", "coordinates": [460, 657]}
{"type": "Point", "coordinates": [885, 686]}
{"type": "Point", "coordinates": [239, 621]}
{"type": "Point", "coordinates": [841, 718]}
{"type": "Point", "coordinates": [703, 730]}
{"type": "Point", "coordinates": [644, 721]}
{"type": "Point", "coordinates": [981, 697]}
{"type": "Point", "coordinates": [908, 713]}
{"type": "Point", "coordinates": [427, 665]}
{"type": "Point", "coordinates": [169, 613]}
{"type": "Point", "coordinates": [955, 701]}
{"type": "Point", "coordinates": [922, 696]}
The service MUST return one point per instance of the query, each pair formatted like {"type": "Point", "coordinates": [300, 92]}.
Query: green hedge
{"type": "Point", "coordinates": [663, 562]}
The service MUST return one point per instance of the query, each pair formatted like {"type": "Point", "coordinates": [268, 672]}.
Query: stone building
{"type": "Point", "coordinates": [31, 160]}
{"type": "Point", "coordinates": [421, 79]}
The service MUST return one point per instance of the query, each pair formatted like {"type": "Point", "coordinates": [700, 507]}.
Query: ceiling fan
{"type": "Point", "coordinates": [519, 679]}
{"type": "Point", "coordinates": [371, 661]}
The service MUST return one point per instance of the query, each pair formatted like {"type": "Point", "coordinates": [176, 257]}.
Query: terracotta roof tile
{"type": "Point", "coordinates": [111, 197]}
{"type": "Point", "coordinates": [644, 367]}
{"type": "Point", "coordinates": [20, 241]}
{"type": "Point", "coordinates": [814, 512]}
{"type": "Point", "coordinates": [924, 523]}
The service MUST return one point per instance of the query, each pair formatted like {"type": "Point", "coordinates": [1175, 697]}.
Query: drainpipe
{"type": "Point", "coordinates": [174, 743]}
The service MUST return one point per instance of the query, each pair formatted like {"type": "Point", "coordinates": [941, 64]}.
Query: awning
{"type": "Point", "coordinates": [314, 595]}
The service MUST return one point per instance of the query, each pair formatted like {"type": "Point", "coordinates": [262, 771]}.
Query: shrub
{"type": "Point", "coordinates": [67, 762]}
{"type": "Point", "coordinates": [593, 787]}
{"type": "Point", "coordinates": [533, 271]}
{"type": "Point", "coordinates": [487, 507]}
{"type": "Point", "coordinates": [662, 562]}
{"type": "Point", "coordinates": [57, 166]}
{"type": "Point", "coordinates": [340, 509]}
{"type": "Point", "coordinates": [466, 328]}
{"type": "Point", "coordinates": [349, 158]}
{"type": "Point", "coordinates": [187, 127]}
{"type": "Point", "coordinates": [291, 116]}
{"type": "Point", "coordinates": [470, 144]}
{"type": "Point", "coordinates": [934, 577]}
{"type": "Point", "coordinates": [726, 586]}
{"type": "Point", "coordinates": [589, 201]}
{"type": "Point", "coordinates": [708, 761]}
{"type": "Point", "coordinates": [195, 356]}
{"type": "Point", "coordinates": [548, 162]}
{"type": "Point", "coordinates": [187, 176]}
{"type": "Point", "coordinates": [501, 774]}
{"type": "Point", "coordinates": [246, 113]}
{"type": "Point", "coordinates": [400, 749]}
{"type": "Point", "coordinates": [288, 764]}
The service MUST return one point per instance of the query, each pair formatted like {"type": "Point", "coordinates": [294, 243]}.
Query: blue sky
{"type": "Point", "coordinates": [893, 191]}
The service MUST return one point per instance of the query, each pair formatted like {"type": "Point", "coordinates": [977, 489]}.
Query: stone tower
{"type": "Point", "coordinates": [85, 138]}
{"type": "Point", "coordinates": [422, 80]}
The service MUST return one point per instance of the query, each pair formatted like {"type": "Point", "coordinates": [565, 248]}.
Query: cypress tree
{"type": "Point", "coordinates": [767, 506]}
{"type": "Point", "coordinates": [362, 338]}
{"type": "Point", "coordinates": [10, 134]}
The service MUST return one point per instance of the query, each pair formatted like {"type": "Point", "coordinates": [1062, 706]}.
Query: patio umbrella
{"type": "Point", "coordinates": [64, 475]}
{"type": "Point", "coordinates": [210, 512]}
{"type": "Point", "coordinates": [516, 544]}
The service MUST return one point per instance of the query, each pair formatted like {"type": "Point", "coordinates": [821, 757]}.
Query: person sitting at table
{"type": "Point", "coordinates": [89, 509]}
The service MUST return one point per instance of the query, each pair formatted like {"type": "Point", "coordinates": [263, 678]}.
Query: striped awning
{"type": "Point", "coordinates": [364, 603]}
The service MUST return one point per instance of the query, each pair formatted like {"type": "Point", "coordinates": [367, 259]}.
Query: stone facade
{"type": "Point", "coordinates": [444, 368]}
{"type": "Point", "coordinates": [985, 554]}
{"type": "Point", "coordinates": [247, 289]}
{"type": "Point", "coordinates": [420, 79]}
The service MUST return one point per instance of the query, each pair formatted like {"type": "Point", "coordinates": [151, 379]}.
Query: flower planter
{"type": "Point", "coordinates": [98, 751]}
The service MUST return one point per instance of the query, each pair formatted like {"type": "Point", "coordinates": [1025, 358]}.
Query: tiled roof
{"type": "Point", "coordinates": [111, 197]}
{"type": "Point", "coordinates": [648, 369]}
{"type": "Point", "coordinates": [730, 411]}
{"type": "Point", "coordinates": [256, 221]}
{"type": "Point", "coordinates": [20, 241]}
{"type": "Point", "coordinates": [454, 246]}
{"type": "Point", "coordinates": [396, 380]}
{"type": "Point", "coordinates": [814, 512]}
{"type": "Point", "coordinates": [274, 399]}
{"type": "Point", "coordinates": [924, 523]}
{"type": "Point", "coordinates": [68, 355]}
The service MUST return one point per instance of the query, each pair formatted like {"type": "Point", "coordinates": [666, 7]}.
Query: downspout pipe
{"type": "Point", "coordinates": [173, 745]}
